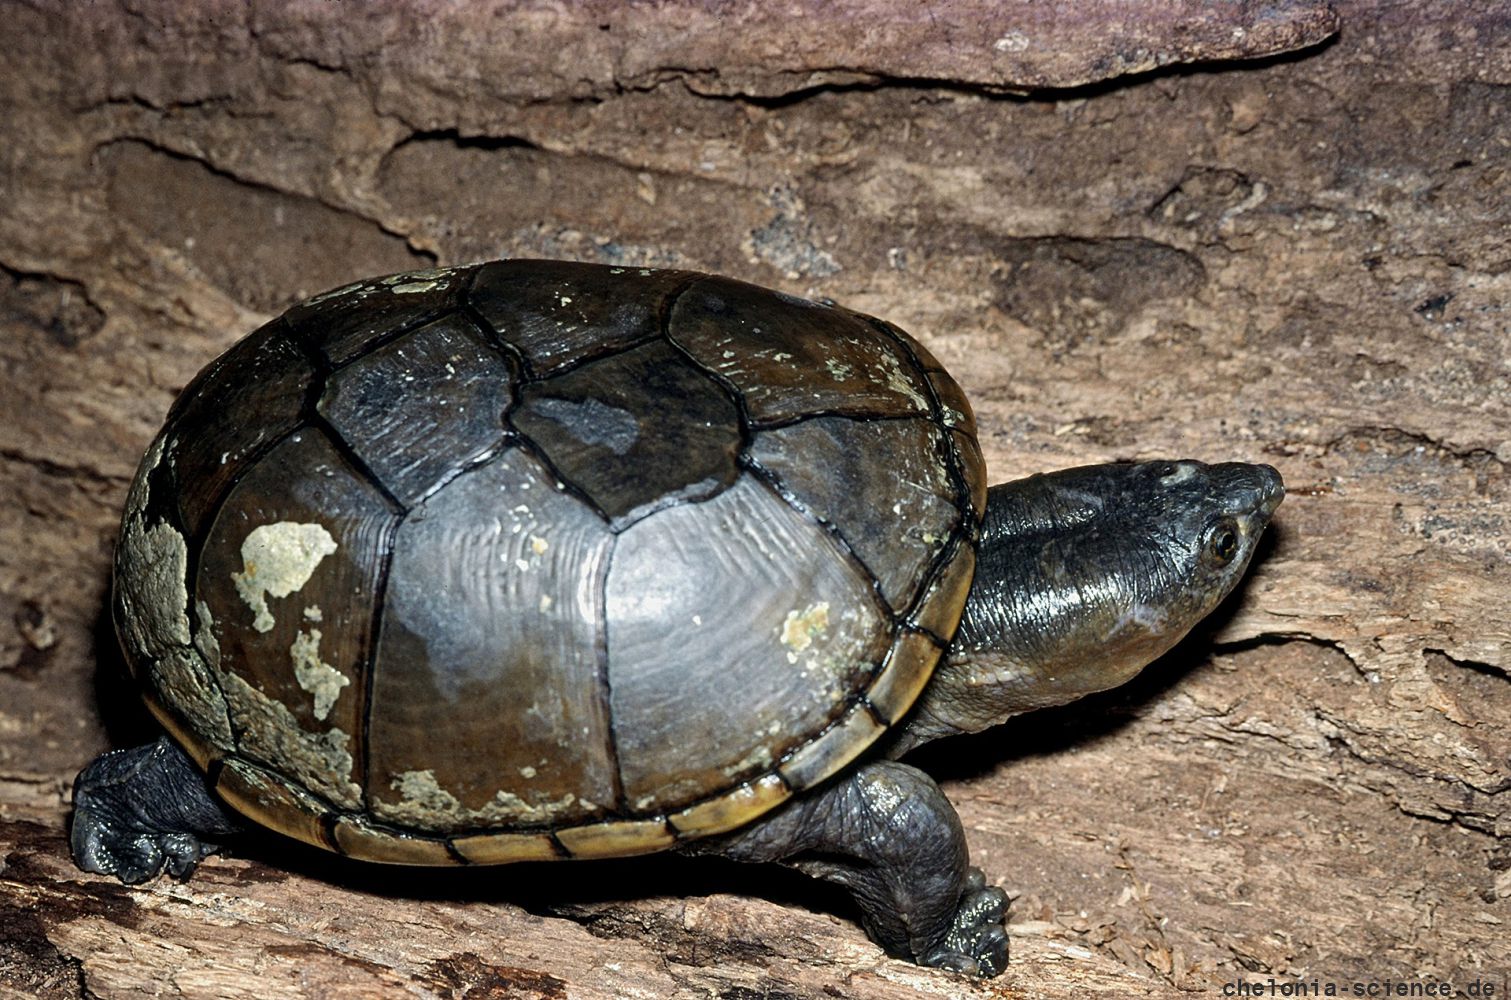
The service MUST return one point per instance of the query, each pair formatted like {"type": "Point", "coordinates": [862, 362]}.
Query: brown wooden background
{"type": "Point", "coordinates": [1278, 231]}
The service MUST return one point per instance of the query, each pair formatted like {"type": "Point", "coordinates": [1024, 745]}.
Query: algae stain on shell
{"type": "Point", "coordinates": [802, 627]}
{"type": "Point", "coordinates": [277, 560]}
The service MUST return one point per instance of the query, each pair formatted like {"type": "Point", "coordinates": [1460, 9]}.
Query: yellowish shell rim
{"type": "Point", "coordinates": [214, 761]}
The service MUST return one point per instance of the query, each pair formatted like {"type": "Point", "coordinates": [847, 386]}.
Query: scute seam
{"type": "Point", "coordinates": [521, 375]}
{"type": "Point", "coordinates": [773, 485]}
{"type": "Point", "coordinates": [322, 371]}
{"type": "Point", "coordinates": [601, 670]}
{"type": "Point", "coordinates": [773, 482]}
{"type": "Point", "coordinates": [968, 522]}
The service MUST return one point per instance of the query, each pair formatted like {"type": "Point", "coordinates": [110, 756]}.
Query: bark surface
{"type": "Point", "coordinates": [1294, 248]}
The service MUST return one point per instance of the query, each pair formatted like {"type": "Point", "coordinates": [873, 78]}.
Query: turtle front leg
{"type": "Point", "coordinates": [136, 811]}
{"type": "Point", "coordinates": [887, 833]}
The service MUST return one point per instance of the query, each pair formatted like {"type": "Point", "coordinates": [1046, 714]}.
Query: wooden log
{"type": "Point", "coordinates": [1301, 260]}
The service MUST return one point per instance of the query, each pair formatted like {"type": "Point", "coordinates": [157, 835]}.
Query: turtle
{"type": "Point", "coordinates": [533, 560]}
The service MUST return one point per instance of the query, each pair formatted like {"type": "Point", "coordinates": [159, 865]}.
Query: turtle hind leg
{"type": "Point", "coordinates": [886, 833]}
{"type": "Point", "coordinates": [138, 811]}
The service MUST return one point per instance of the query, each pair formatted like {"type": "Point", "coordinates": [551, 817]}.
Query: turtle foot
{"type": "Point", "coordinates": [977, 940]}
{"type": "Point", "coordinates": [133, 856]}
{"type": "Point", "coordinates": [139, 811]}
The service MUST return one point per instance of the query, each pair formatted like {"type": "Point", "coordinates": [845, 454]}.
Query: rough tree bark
{"type": "Point", "coordinates": [1302, 260]}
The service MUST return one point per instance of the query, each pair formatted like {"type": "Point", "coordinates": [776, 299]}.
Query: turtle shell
{"type": "Point", "coordinates": [533, 559]}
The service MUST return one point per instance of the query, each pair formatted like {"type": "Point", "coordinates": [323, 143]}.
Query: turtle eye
{"type": "Point", "coordinates": [1222, 542]}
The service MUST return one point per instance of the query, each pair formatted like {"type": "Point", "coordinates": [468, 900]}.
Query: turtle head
{"type": "Point", "coordinates": [1086, 575]}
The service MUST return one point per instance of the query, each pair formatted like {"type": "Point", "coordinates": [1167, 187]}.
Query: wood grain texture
{"type": "Point", "coordinates": [1301, 261]}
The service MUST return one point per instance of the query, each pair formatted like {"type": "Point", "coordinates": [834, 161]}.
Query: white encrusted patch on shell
{"type": "Point", "coordinates": [426, 805]}
{"type": "Point", "coordinates": [319, 678]}
{"type": "Point", "coordinates": [759, 759]}
{"type": "Point", "coordinates": [801, 627]}
{"type": "Point", "coordinates": [892, 375]}
{"type": "Point", "coordinates": [269, 732]}
{"type": "Point", "coordinates": [321, 762]}
{"type": "Point", "coordinates": [136, 498]}
{"type": "Point", "coordinates": [204, 636]}
{"type": "Point", "coordinates": [335, 293]}
{"type": "Point", "coordinates": [181, 682]}
{"type": "Point", "coordinates": [151, 572]}
{"type": "Point", "coordinates": [423, 795]}
{"type": "Point", "coordinates": [411, 282]}
{"type": "Point", "coordinates": [154, 596]}
{"type": "Point", "coordinates": [183, 666]}
{"type": "Point", "coordinates": [277, 560]}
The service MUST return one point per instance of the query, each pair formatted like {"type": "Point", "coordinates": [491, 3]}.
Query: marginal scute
{"type": "Point", "coordinates": [269, 734]}
{"type": "Point", "coordinates": [925, 357]}
{"type": "Point", "coordinates": [939, 610]}
{"type": "Point", "coordinates": [151, 566]}
{"type": "Point", "coordinates": [344, 322]}
{"type": "Point", "coordinates": [616, 840]}
{"type": "Point", "coordinates": [903, 675]}
{"type": "Point", "coordinates": [556, 313]}
{"type": "Point", "coordinates": [973, 471]}
{"type": "Point", "coordinates": [357, 837]}
{"type": "Point", "coordinates": [732, 809]}
{"type": "Point", "coordinates": [837, 747]}
{"type": "Point", "coordinates": [505, 848]}
{"type": "Point", "coordinates": [270, 801]}
{"type": "Point", "coordinates": [183, 691]}
{"type": "Point", "coordinates": [139, 494]}
{"type": "Point", "coordinates": [181, 682]}
{"type": "Point", "coordinates": [955, 409]}
{"type": "Point", "coordinates": [154, 564]}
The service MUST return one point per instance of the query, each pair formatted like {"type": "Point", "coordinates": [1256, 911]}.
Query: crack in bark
{"type": "Point", "coordinates": [266, 187]}
{"type": "Point", "coordinates": [1492, 670]}
{"type": "Point", "coordinates": [1382, 435]}
{"type": "Point", "coordinates": [60, 470]}
{"type": "Point", "coordinates": [1274, 638]}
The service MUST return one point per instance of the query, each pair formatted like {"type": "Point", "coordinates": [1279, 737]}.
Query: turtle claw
{"type": "Point", "coordinates": [133, 856]}
{"type": "Point", "coordinates": [976, 943]}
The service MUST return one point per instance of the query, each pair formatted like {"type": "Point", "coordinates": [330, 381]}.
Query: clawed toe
{"type": "Point", "coordinates": [977, 941]}
{"type": "Point", "coordinates": [133, 856]}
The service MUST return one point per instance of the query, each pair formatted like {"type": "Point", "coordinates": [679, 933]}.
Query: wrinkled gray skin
{"type": "Point", "coordinates": [1082, 578]}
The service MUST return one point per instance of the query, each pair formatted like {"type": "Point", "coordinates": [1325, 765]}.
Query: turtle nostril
{"type": "Point", "coordinates": [1271, 489]}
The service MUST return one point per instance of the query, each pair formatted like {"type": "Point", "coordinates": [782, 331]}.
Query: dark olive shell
{"type": "Point", "coordinates": [533, 559]}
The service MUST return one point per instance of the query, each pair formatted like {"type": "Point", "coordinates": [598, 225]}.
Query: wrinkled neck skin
{"type": "Point", "coordinates": [1083, 577]}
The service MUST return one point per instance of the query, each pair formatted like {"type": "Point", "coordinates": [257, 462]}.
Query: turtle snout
{"type": "Point", "coordinates": [1251, 490]}
{"type": "Point", "coordinates": [1274, 490]}
{"type": "Point", "coordinates": [1271, 490]}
